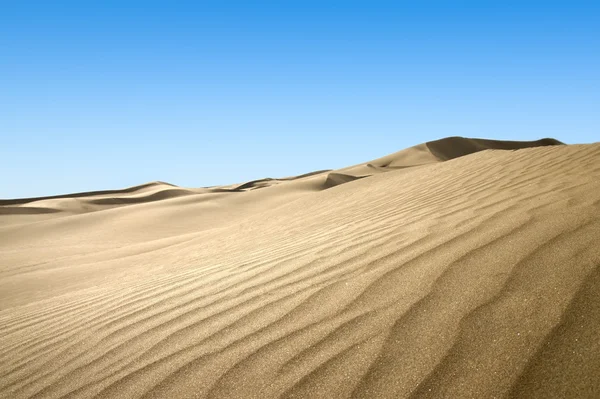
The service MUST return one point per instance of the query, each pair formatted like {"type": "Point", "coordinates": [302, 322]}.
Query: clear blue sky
{"type": "Point", "coordinates": [108, 94]}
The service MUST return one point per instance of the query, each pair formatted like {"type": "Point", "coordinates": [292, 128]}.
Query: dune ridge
{"type": "Point", "coordinates": [438, 275]}
{"type": "Point", "coordinates": [423, 154]}
{"type": "Point", "coordinates": [128, 190]}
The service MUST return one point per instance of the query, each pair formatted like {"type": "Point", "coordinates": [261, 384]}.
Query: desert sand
{"type": "Point", "coordinates": [459, 268]}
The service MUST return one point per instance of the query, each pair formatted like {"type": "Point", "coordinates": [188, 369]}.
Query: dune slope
{"type": "Point", "coordinates": [466, 270]}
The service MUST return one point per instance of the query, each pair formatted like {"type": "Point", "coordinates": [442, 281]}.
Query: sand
{"type": "Point", "coordinates": [460, 268]}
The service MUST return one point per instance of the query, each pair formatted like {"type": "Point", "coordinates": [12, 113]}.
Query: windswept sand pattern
{"type": "Point", "coordinates": [431, 273]}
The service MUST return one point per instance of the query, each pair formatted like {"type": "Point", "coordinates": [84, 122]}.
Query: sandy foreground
{"type": "Point", "coordinates": [460, 268]}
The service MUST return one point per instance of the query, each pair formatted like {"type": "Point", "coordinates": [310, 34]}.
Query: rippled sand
{"type": "Point", "coordinates": [459, 268]}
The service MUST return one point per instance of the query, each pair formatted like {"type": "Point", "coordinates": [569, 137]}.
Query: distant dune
{"type": "Point", "coordinates": [458, 268]}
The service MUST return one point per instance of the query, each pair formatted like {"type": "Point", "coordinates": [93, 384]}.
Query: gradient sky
{"type": "Point", "coordinates": [109, 94]}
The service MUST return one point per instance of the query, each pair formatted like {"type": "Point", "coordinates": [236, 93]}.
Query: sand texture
{"type": "Point", "coordinates": [459, 268]}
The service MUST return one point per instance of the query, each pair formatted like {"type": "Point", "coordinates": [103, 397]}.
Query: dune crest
{"type": "Point", "coordinates": [455, 147]}
{"type": "Point", "coordinates": [458, 268]}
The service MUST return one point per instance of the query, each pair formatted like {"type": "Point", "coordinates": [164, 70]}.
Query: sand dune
{"type": "Point", "coordinates": [70, 204]}
{"type": "Point", "coordinates": [335, 179]}
{"type": "Point", "coordinates": [124, 191]}
{"type": "Point", "coordinates": [459, 268]}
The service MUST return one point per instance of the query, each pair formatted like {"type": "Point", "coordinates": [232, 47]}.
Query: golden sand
{"type": "Point", "coordinates": [460, 268]}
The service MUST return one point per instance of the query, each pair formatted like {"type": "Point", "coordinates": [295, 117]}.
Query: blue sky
{"type": "Point", "coordinates": [99, 95]}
